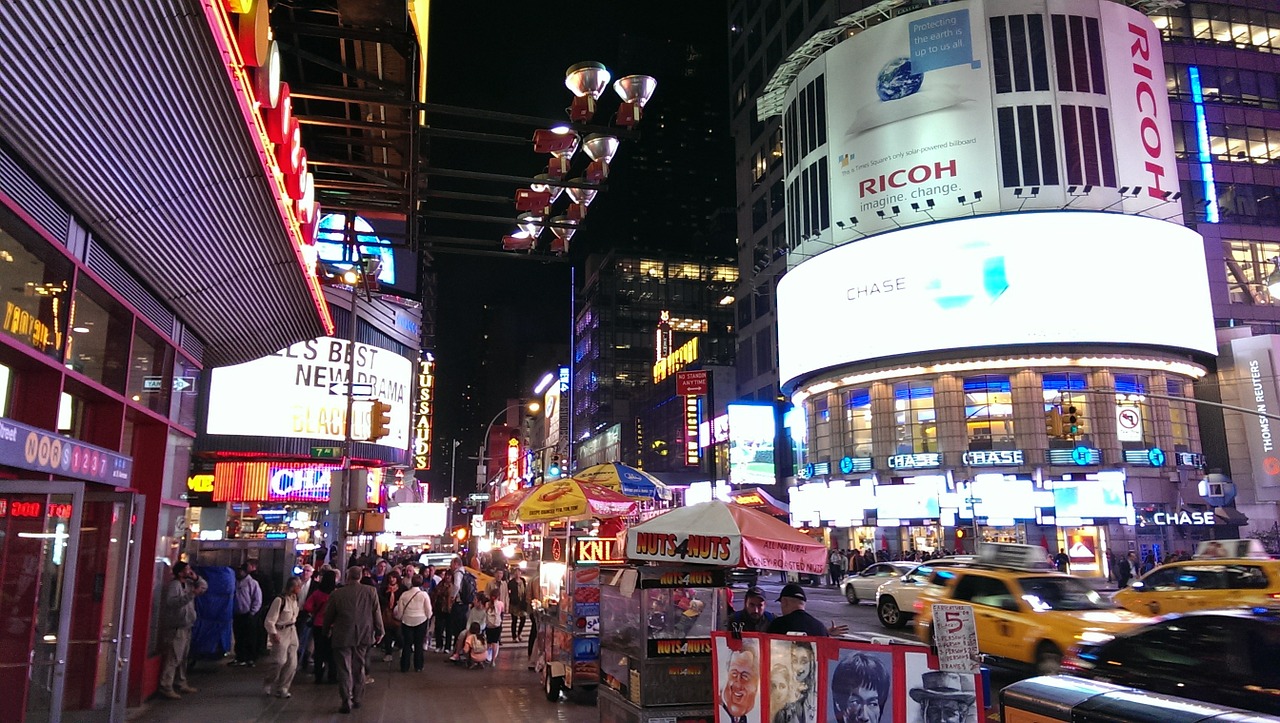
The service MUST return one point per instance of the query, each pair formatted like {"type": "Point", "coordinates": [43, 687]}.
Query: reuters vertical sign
{"type": "Point", "coordinates": [1254, 362]}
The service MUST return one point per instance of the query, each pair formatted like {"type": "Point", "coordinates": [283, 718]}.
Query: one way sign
{"type": "Point", "coordinates": [357, 391]}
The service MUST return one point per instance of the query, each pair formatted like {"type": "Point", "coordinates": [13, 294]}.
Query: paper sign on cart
{"type": "Point", "coordinates": [956, 638]}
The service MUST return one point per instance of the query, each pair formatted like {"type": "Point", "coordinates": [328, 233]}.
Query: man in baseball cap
{"type": "Point", "coordinates": [752, 618]}
{"type": "Point", "coordinates": [943, 698]}
{"type": "Point", "coordinates": [794, 619]}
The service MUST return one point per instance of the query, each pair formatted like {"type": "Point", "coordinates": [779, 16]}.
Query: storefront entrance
{"type": "Point", "coordinates": [68, 552]}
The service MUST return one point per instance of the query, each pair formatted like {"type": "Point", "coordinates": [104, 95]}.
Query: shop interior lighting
{"type": "Point", "coordinates": [1187, 369]}
{"type": "Point", "coordinates": [728, 299]}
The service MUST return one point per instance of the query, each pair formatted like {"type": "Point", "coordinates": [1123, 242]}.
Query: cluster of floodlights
{"type": "Point", "coordinates": [587, 81]}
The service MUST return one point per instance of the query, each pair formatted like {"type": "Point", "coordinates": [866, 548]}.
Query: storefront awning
{"type": "Point", "coordinates": [1230, 516]}
{"type": "Point", "coordinates": [129, 114]}
{"type": "Point", "coordinates": [757, 498]}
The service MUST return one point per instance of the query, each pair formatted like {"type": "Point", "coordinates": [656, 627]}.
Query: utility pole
{"type": "Point", "coordinates": [453, 476]}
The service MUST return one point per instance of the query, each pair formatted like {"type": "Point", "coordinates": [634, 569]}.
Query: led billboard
{"type": "Point", "coordinates": [752, 432]}
{"type": "Point", "coordinates": [979, 107]}
{"type": "Point", "coordinates": [301, 391]}
{"type": "Point", "coordinates": [1100, 497]}
{"type": "Point", "coordinates": [1013, 279]}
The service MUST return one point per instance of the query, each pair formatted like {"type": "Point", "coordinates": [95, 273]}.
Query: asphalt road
{"type": "Point", "coordinates": [828, 605]}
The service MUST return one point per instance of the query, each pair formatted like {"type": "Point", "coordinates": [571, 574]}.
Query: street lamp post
{"type": "Point", "coordinates": [482, 475]}
{"type": "Point", "coordinates": [453, 475]}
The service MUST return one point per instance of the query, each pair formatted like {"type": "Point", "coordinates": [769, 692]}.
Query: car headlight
{"type": "Point", "coordinates": [1095, 636]}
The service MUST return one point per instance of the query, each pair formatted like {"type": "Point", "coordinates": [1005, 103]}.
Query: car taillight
{"type": "Point", "coordinates": [1078, 660]}
{"type": "Point", "coordinates": [918, 605]}
{"type": "Point", "coordinates": [1274, 596]}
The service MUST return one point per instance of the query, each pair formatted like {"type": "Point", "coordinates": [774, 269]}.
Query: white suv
{"type": "Point", "coordinates": [896, 599]}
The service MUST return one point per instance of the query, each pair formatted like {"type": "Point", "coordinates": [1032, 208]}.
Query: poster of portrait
{"type": "Point", "coordinates": [738, 664]}
{"type": "Point", "coordinates": [860, 685]}
{"type": "Point", "coordinates": [793, 680]}
{"type": "Point", "coordinates": [935, 696]}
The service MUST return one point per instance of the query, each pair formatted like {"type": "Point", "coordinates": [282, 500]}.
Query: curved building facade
{"type": "Point", "coordinates": [993, 314]}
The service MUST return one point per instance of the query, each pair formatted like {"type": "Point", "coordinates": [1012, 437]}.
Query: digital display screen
{"type": "Point", "coordinates": [752, 431]}
{"type": "Point", "coordinates": [907, 502]}
{"type": "Point", "coordinates": [1102, 497]}
{"type": "Point", "coordinates": [1002, 498]}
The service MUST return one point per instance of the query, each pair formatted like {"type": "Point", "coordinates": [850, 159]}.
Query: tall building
{"type": "Point", "coordinates": [636, 310]}
{"type": "Point", "coordinates": [1061, 144]}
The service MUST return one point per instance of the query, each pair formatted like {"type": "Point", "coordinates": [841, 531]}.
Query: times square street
{"type": "Point", "coordinates": [446, 693]}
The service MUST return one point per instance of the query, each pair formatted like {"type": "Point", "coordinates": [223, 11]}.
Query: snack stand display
{"type": "Point", "coordinates": [655, 641]}
{"type": "Point", "coordinates": [569, 581]}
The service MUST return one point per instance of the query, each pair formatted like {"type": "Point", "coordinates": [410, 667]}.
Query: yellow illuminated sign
{"type": "Point", "coordinates": [200, 483]}
{"type": "Point", "coordinates": [676, 360]}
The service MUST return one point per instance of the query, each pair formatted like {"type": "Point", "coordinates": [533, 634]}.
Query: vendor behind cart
{"type": "Point", "coordinates": [752, 618]}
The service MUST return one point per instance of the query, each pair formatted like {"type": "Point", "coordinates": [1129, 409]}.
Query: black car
{"type": "Point", "coordinates": [746, 575]}
{"type": "Point", "coordinates": [1226, 657]}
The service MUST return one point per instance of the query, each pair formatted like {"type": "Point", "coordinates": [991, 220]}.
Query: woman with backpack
{"type": "Point", "coordinates": [443, 608]}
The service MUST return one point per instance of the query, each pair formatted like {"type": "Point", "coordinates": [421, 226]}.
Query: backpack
{"type": "Point", "coordinates": [467, 592]}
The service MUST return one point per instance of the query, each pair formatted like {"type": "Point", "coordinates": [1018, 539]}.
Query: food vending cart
{"type": "Point", "coordinates": [655, 641]}
{"type": "Point", "coordinates": [569, 579]}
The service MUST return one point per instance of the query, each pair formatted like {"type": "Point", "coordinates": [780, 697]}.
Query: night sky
{"type": "Point", "coordinates": [497, 318]}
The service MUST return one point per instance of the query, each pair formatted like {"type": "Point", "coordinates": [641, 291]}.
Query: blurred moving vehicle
{"type": "Point", "coordinates": [749, 576]}
{"type": "Point", "coordinates": [1025, 614]}
{"type": "Point", "coordinates": [896, 598]}
{"type": "Point", "coordinates": [1228, 657]}
{"type": "Point", "coordinates": [1222, 574]}
{"type": "Point", "coordinates": [862, 586]}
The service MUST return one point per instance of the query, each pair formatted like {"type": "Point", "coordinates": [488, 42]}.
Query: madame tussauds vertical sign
{"type": "Point", "coordinates": [1258, 392]}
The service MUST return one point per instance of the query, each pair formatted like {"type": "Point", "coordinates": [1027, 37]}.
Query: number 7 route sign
{"type": "Point", "coordinates": [956, 638]}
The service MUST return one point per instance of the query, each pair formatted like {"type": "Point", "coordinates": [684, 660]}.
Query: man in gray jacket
{"type": "Point", "coordinates": [177, 615]}
{"type": "Point", "coordinates": [353, 622]}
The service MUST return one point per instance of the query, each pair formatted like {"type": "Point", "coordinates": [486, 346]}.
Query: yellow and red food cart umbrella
{"type": "Point", "coordinates": [559, 500]}
{"type": "Point", "coordinates": [625, 479]}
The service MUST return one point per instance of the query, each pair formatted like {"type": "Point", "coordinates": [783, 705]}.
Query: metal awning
{"type": "Point", "coordinates": [128, 113]}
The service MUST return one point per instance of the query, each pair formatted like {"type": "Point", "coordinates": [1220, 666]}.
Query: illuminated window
{"type": "Point", "coordinates": [820, 418]}
{"type": "Point", "coordinates": [1181, 416]}
{"type": "Point", "coordinates": [1248, 265]}
{"type": "Point", "coordinates": [101, 328]}
{"type": "Point", "coordinates": [988, 412]}
{"type": "Point", "coordinates": [1066, 408]}
{"type": "Point", "coordinates": [1221, 25]}
{"type": "Point", "coordinates": [857, 415]}
{"type": "Point", "coordinates": [34, 291]}
{"type": "Point", "coordinates": [915, 420]}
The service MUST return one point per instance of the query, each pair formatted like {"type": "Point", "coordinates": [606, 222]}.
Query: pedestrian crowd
{"type": "Point", "coordinates": [327, 624]}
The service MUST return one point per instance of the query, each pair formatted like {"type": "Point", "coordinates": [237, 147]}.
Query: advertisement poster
{"type": "Point", "coordinates": [955, 635]}
{"type": "Point", "coordinates": [737, 666]}
{"type": "Point", "coordinates": [910, 118]}
{"type": "Point", "coordinates": [1082, 551]}
{"type": "Point", "coordinates": [789, 679]}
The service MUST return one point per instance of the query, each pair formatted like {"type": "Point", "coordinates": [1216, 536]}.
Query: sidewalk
{"type": "Point", "coordinates": [442, 693]}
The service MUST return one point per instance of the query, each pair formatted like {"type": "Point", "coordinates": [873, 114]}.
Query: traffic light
{"type": "Point", "coordinates": [379, 420]}
{"type": "Point", "coordinates": [1053, 422]}
{"type": "Point", "coordinates": [554, 470]}
{"type": "Point", "coordinates": [1073, 421]}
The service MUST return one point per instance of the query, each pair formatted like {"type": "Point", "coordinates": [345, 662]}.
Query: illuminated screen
{"type": "Point", "coordinates": [993, 281]}
{"type": "Point", "coordinates": [752, 431]}
{"type": "Point", "coordinates": [907, 502]}
{"type": "Point", "coordinates": [1090, 498]}
{"type": "Point", "coordinates": [1003, 498]}
{"type": "Point", "coordinates": [301, 391]}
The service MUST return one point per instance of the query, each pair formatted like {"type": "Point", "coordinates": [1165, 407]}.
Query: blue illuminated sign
{"type": "Point", "coordinates": [1202, 141]}
{"type": "Point", "coordinates": [330, 246]}
{"type": "Point", "coordinates": [1081, 456]}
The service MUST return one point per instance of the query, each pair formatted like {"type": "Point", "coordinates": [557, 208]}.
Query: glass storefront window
{"type": "Point", "coordinates": [988, 412]}
{"type": "Point", "coordinates": [101, 328]}
{"type": "Point", "coordinates": [151, 379]}
{"type": "Point", "coordinates": [34, 290]}
{"type": "Point", "coordinates": [1248, 265]}
{"type": "Point", "coordinates": [914, 417]}
{"type": "Point", "coordinates": [1179, 416]}
{"type": "Point", "coordinates": [1066, 407]}
{"type": "Point", "coordinates": [857, 412]}
{"type": "Point", "coordinates": [1131, 391]}
{"type": "Point", "coordinates": [820, 439]}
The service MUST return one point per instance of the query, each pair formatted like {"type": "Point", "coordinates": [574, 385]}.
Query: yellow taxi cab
{"type": "Point", "coordinates": [1223, 574]}
{"type": "Point", "coordinates": [1024, 610]}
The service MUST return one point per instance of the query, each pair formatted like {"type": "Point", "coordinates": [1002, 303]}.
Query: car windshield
{"type": "Point", "coordinates": [1061, 593]}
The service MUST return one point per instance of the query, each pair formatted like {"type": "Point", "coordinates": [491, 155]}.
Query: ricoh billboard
{"type": "Point", "coordinates": [301, 391]}
{"type": "Point", "coordinates": [979, 107]}
{"type": "Point", "coordinates": [1051, 277]}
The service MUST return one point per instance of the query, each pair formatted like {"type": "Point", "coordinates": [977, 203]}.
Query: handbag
{"type": "Point", "coordinates": [397, 612]}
